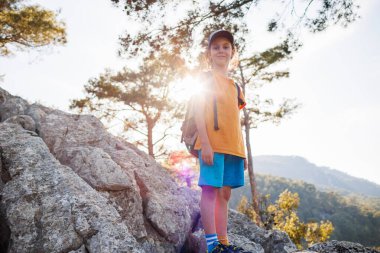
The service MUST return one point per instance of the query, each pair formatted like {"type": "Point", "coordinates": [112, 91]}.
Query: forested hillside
{"type": "Point", "coordinates": [296, 167]}
{"type": "Point", "coordinates": [355, 218]}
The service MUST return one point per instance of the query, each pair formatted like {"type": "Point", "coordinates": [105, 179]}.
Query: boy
{"type": "Point", "coordinates": [221, 149]}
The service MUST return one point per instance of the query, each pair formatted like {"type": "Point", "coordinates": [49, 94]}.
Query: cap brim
{"type": "Point", "coordinates": [221, 34]}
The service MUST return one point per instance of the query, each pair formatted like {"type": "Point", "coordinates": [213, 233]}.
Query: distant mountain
{"type": "Point", "coordinates": [324, 178]}
{"type": "Point", "coordinates": [355, 218]}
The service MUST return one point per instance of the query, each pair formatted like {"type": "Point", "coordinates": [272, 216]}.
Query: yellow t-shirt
{"type": "Point", "coordinates": [228, 139]}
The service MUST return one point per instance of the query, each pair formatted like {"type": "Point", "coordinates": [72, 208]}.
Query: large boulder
{"type": "Point", "coordinates": [48, 208]}
{"type": "Point", "coordinates": [149, 195]}
{"type": "Point", "coordinates": [159, 214]}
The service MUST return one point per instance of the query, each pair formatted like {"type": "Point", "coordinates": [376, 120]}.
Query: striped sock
{"type": "Point", "coordinates": [210, 240]}
{"type": "Point", "coordinates": [223, 239]}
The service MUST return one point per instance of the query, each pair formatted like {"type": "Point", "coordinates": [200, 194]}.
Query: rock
{"type": "Point", "coordinates": [24, 121]}
{"type": "Point", "coordinates": [37, 112]}
{"type": "Point", "coordinates": [121, 173]}
{"type": "Point", "coordinates": [159, 195]}
{"type": "Point", "coordinates": [245, 243]}
{"type": "Point", "coordinates": [340, 247]}
{"type": "Point", "coordinates": [97, 168]}
{"type": "Point", "coordinates": [3, 96]}
{"type": "Point", "coordinates": [82, 249]}
{"type": "Point", "coordinates": [5, 233]}
{"type": "Point", "coordinates": [196, 243]}
{"type": "Point", "coordinates": [11, 106]}
{"type": "Point", "coordinates": [49, 208]}
{"type": "Point", "coordinates": [244, 233]}
{"type": "Point", "coordinates": [272, 241]}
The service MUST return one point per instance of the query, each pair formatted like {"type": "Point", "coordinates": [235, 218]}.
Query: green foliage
{"type": "Point", "coordinates": [23, 27]}
{"type": "Point", "coordinates": [140, 98]}
{"type": "Point", "coordinates": [254, 69]}
{"type": "Point", "coordinates": [257, 69]}
{"type": "Point", "coordinates": [202, 17]}
{"type": "Point", "coordinates": [355, 218]}
{"type": "Point", "coordinates": [247, 208]}
{"type": "Point", "coordinates": [282, 215]}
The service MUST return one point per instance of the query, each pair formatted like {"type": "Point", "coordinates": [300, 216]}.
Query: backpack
{"type": "Point", "coordinates": [189, 127]}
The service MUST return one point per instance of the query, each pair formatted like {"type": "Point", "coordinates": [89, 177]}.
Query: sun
{"type": "Point", "coordinates": [186, 87]}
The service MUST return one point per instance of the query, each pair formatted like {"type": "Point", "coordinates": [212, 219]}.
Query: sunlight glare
{"type": "Point", "coordinates": [187, 87]}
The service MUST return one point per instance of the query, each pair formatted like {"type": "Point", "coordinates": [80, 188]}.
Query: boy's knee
{"type": "Point", "coordinates": [209, 191]}
{"type": "Point", "coordinates": [224, 193]}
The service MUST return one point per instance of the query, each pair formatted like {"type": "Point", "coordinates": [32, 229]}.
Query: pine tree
{"type": "Point", "coordinates": [24, 27]}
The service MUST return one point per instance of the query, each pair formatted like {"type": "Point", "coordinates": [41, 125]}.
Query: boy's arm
{"type": "Point", "coordinates": [199, 114]}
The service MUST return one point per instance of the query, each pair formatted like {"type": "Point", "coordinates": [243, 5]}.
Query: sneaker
{"type": "Point", "coordinates": [220, 248]}
{"type": "Point", "coordinates": [236, 249]}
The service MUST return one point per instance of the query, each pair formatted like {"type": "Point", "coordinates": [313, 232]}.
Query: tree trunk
{"type": "Point", "coordinates": [150, 136]}
{"type": "Point", "coordinates": [252, 180]}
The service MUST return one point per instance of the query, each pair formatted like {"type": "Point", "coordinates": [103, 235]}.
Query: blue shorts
{"type": "Point", "coordinates": [227, 170]}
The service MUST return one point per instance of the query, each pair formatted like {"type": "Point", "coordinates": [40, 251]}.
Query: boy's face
{"type": "Point", "coordinates": [221, 51]}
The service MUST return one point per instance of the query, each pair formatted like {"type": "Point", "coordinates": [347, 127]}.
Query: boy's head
{"type": "Point", "coordinates": [220, 48]}
{"type": "Point", "coordinates": [220, 34]}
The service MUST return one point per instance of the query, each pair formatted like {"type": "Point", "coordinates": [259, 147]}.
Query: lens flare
{"type": "Point", "coordinates": [187, 87]}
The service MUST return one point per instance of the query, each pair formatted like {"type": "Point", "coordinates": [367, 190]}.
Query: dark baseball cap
{"type": "Point", "coordinates": [219, 34]}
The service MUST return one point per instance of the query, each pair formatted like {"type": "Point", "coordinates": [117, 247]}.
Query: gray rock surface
{"type": "Point", "coordinates": [97, 168]}
{"type": "Point", "coordinates": [196, 243]}
{"type": "Point", "coordinates": [340, 247]}
{"type": "Point", "coordinates": [144, 195]}
{"type": "Point", "coordinates": [243, 233]}
{"type": "Point", "coordinates": [273, 241]}
{"type": "Point", "coordinates": [48, 208]}
{"type": "Point", "coordinates": [11, 105]}
{"type": "Point", "coordinates": [25, 121]}
{"type": "Point", "coordinates": [147, 199]}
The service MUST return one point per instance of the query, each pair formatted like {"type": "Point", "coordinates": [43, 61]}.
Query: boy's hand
{"type": "Point", "coordinates": [245, 164]}
{"type": "Point", "coordinates": [207, 155]}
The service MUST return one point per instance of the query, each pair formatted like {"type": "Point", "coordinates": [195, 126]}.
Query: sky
{"type": "Point", "coordinates": [335, 76]}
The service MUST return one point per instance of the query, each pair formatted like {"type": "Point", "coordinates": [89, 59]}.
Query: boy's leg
{"type": "Point", "coordinates": [210, 179]}
{"type": "Point", "coordinates": [221, 213]}
{"type": "Point", "coordinates": [233, 177]}
{"type": "Point", "coordinates": [207, 205]}
{"type": "Point", "coordinates": [208, 198]}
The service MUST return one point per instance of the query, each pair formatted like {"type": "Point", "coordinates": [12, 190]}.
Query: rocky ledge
{"type": "Point", "coordinates": [67, 185]}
